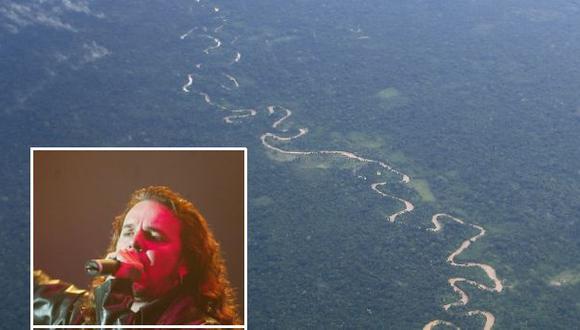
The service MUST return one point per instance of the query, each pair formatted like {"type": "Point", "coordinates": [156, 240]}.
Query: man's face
{"type": "Point", "coordinates": [152, 233]}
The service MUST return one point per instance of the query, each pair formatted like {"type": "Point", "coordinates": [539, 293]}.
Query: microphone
{"type": "Point", "coordinates": [96, 267]}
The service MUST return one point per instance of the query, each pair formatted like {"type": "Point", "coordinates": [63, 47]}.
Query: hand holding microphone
{"type": "Point", "coordinates": [122, 264]}
{"type": "Point", "coordinates": [96, 267]}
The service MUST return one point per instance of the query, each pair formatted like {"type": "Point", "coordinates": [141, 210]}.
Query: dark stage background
{"type": "Point", "coordinates": [78, 193]}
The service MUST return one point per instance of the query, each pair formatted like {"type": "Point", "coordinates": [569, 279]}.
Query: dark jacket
{"type": "Point", "coordinates": [60, 303]}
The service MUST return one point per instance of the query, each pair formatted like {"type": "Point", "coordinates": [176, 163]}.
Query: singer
{"type": "Point", "coordinates": [168, 270]}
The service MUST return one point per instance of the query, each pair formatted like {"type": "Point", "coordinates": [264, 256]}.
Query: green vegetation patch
{"type": "Point", "coordinates": [361, 143]}
{"type": "Point", "coordinates": [262, 201]}
{"type": "Point", "coordinates": [391, 98]}
{"type": "Point", "coordinates": [421, 186]}
{"type": "Point", "coordinates": [566, 278]}
{"type": "Point", "coordinates": [388, 93]}
{"type": "Point", "coordinates": [326, 162]}
{"type": "Point", "coordinates": [281, 157]}
{"type": "Point", "coordinates": [315, 162]}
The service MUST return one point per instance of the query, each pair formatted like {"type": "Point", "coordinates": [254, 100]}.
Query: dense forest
{"type": "Point", "coordinates": [477, 102]}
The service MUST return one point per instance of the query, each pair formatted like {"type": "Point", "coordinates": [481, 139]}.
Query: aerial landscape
{"type": "Point", "coordinates": [412, 165]}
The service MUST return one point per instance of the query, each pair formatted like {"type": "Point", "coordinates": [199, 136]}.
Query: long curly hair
{"type": "Point", "coordinates": [207, 277]}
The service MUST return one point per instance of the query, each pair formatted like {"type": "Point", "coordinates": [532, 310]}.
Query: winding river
{"type": "Point", "coordinates": [278, 136]}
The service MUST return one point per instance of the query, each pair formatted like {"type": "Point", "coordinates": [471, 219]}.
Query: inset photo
{"type": "Point", "coordinates": [138, 236]}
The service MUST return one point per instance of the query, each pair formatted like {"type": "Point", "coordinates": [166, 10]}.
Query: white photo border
{"type": "Point", "coordinates": [245, 321]}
